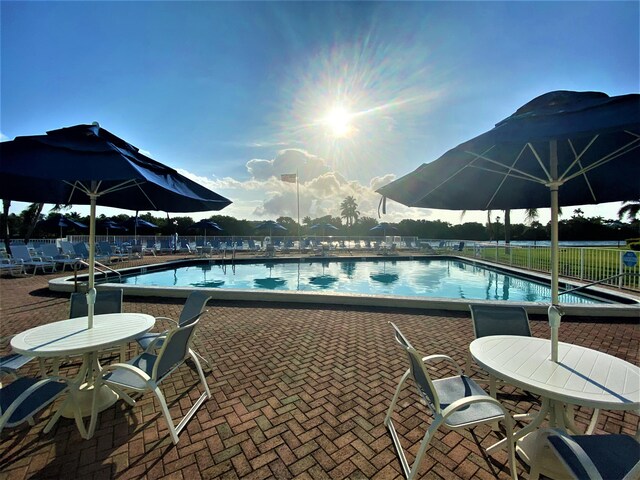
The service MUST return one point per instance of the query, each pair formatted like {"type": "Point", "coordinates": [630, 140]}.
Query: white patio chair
{"type": "Point", "coordinates": [107, 301]}
{"type": "Point", "coordinates": [455, 402]}
{"type": "Point", "coordinates": [146, 371]}
{"type": "Point", "coordinates": [24, 397]}
{"type": "Point", "coordinates": [193, 308]}
{"type": "Point", "coordinates": [594, 457]}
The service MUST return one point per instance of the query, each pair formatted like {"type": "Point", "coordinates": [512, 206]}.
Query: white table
{"type": "Point", "coordinates": [73, 337]}
{"type": "Point", "coordinates": [581, 376]}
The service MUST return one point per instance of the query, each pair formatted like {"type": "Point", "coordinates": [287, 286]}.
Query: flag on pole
{"type": "Point", "coordinates": [288, 177]}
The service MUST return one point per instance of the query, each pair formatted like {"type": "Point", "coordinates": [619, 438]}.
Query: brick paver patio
{"type": "Point", "coordinates": [299, 391]}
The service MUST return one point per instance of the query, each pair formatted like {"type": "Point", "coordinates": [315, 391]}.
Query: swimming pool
{"type": "Point", "coordinates": [428, 277]}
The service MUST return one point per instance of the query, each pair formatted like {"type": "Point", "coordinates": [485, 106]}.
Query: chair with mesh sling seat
{"type": "Point", "coordinates": [496, 320]}
{"type": "Point", "coordinates": [193, 307]}
{"type": "Point", "coordinates": [145, 372]}
{"type": "Point", "coordinates": [455, 402]}
{"type": "Point", "coordinates": [21, 399]}
{"type": "Point", "coordinates": [107, 301]}
{"type": "Point", "coordinates": [594, 457]}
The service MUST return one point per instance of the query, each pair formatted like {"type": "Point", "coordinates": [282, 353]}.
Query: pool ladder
{"type": "Point", "coordinates": [101, 268]}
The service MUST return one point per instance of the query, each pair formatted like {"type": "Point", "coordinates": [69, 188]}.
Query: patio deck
{"type": "Point", "coordinates": [299, 391]}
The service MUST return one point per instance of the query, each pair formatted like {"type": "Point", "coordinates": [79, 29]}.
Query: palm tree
{"type": "Point", "coordinates": [349, 210]}
{"type": "Point", "coordinates": [630, 208]}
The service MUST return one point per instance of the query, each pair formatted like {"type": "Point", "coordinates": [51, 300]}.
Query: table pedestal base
{"type": "Point", "coordinates": [84, 398]}
{"type": "Point", "coordinates": [533, 449]}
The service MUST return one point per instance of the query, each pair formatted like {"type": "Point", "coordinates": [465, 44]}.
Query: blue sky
{"type": "Point", "coordinates": [235, 93]}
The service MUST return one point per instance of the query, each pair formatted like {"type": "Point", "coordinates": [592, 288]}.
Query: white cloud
{"type": "Point", "coordinates": [3, 137]}
{"type": "Point", "coordinates": [265, 196]}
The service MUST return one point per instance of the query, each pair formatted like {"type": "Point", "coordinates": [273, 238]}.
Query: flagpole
{"type": "Point", "coordinates": [298, 197]}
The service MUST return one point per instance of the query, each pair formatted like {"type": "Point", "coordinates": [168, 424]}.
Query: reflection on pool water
{"type": "Point", "coordinates": [441, 278]}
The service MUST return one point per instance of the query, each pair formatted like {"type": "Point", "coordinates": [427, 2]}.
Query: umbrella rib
{"type": "Point", "coordinates": [582, 170]}
{"type": "Point", "coordinates": [522, 175]}
{"type": "Point", "coordinates": [504, 179]}
{"type": "Point", "coordinates": [612, 156]}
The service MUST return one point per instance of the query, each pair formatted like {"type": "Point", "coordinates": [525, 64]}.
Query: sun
{"type": "Point", "coordinates": [338, 122]}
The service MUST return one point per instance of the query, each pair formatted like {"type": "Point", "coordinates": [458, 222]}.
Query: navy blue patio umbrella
{"type": "Point", "coordinates": [271, 225]}
{"type": "Point", "coordinates": [562, 148]}
{"type": "Point", "coordinates": [60, 222]}
{"type": "Point", "coordinates": [136, 222]}
{"type": "Point", "coordinates": [384, 226]}
{"type": "Point", "coordinates": [323, 227]}
{"type": "Point", "coordinates": [207, 225]}
{"type": "Point", "coordinates": [86, 164]}
{"type": "Point", "coordinates": [110, 224]}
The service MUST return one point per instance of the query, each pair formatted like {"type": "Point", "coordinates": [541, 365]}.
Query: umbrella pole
{"type": "Point", "coordinates": [554, 312]}
{"type": "Point", "coordinates": [91, 292]}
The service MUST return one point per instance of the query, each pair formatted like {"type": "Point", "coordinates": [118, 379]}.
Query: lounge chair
{"type": "Point", "coordinates": [21, 253]}
{"type": "Point", "coordinates": [166, 246]}
{"type": "Point", "coordinates": [51, 252]}
{"type": "Point", "coordinates": [82, 252]}
{"type": "Point", "coordinates": [455, 402]}
{"type": "Point", "coordinates": [11, 266]}
{"type": "Point", "coordinates": [611, 456]}
{"type": "Point", "coordinates": [146, 371]}
{"type": "Point", "coordinates": [108, 251]}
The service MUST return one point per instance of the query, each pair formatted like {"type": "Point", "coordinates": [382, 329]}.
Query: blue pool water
{"type": "Point", "coordinates": [442, 278]}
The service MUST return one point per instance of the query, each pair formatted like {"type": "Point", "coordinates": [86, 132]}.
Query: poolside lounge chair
{"type": "Point", "coordinates": [51, 252]}
{"type": "Point", "coordinates": [108, 251]}
{"type": "Point", "coordinates": [82, 252]}
{"type": "Point", "coordinates": [146, 371]}
{"type": "Point", "coordinates": [166, 246]}
{"type": "Point", "coordinates": [11, 266]}
{"type": "Point", "coordinates": [21, 253]}
{"type": "Point", "coordinates": [24, 397]}
{"type": "Point", "coordinates": [455, 402]}
{"type": "Point", "coordinates": [609, 456]}
{"type": "Point", "coordinates": [193, 308]}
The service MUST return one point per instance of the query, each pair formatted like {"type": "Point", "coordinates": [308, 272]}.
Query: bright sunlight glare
{"type": "Point", "coordinates": [338, 120]}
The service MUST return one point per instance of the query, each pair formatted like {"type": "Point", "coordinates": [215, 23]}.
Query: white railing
{"type": "Point", "coordinates": [590, 264]}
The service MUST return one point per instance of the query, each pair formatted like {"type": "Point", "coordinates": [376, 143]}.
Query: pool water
{"type": "Point", "coordinates": [441, 278]}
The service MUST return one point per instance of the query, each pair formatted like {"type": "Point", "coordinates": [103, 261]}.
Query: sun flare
{"type": "Point", "coordinates": [338, 121]}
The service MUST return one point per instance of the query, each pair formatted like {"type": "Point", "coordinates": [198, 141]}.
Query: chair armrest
{"type": "Point", "coordinates": [173, 322]}
{"type": "Point", "coordinates": [440, 358]}
{"type": "Point", "coordinates": [578, 451]}
{"type": "Point", "coordinates": [464, 402]}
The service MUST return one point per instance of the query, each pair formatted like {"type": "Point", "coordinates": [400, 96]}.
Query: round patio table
{"type": "Point", "coordinates": [73, 337]}
{"type": "Point", "coordinates": [582, 376]}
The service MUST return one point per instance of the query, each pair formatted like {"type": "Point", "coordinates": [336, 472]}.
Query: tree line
{"type": "Point", "coordinates": [24, 225]}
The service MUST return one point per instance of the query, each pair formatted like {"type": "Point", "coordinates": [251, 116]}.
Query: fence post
{"type": "Point", "coordinates": [582, 263]}
{"type": "Point", "coordinates": [621, 271]}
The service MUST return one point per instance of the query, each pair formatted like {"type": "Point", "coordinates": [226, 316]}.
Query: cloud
{"type": "Point", "coordinates": [290, 160]}
{"type": "Point", "coordinates": [264, 196]}
{"type": "Point", "coordinates": [3, 137]}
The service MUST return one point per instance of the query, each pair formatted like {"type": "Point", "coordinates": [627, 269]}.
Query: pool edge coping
{"type": "Point", "coordinates": [63, 284]}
